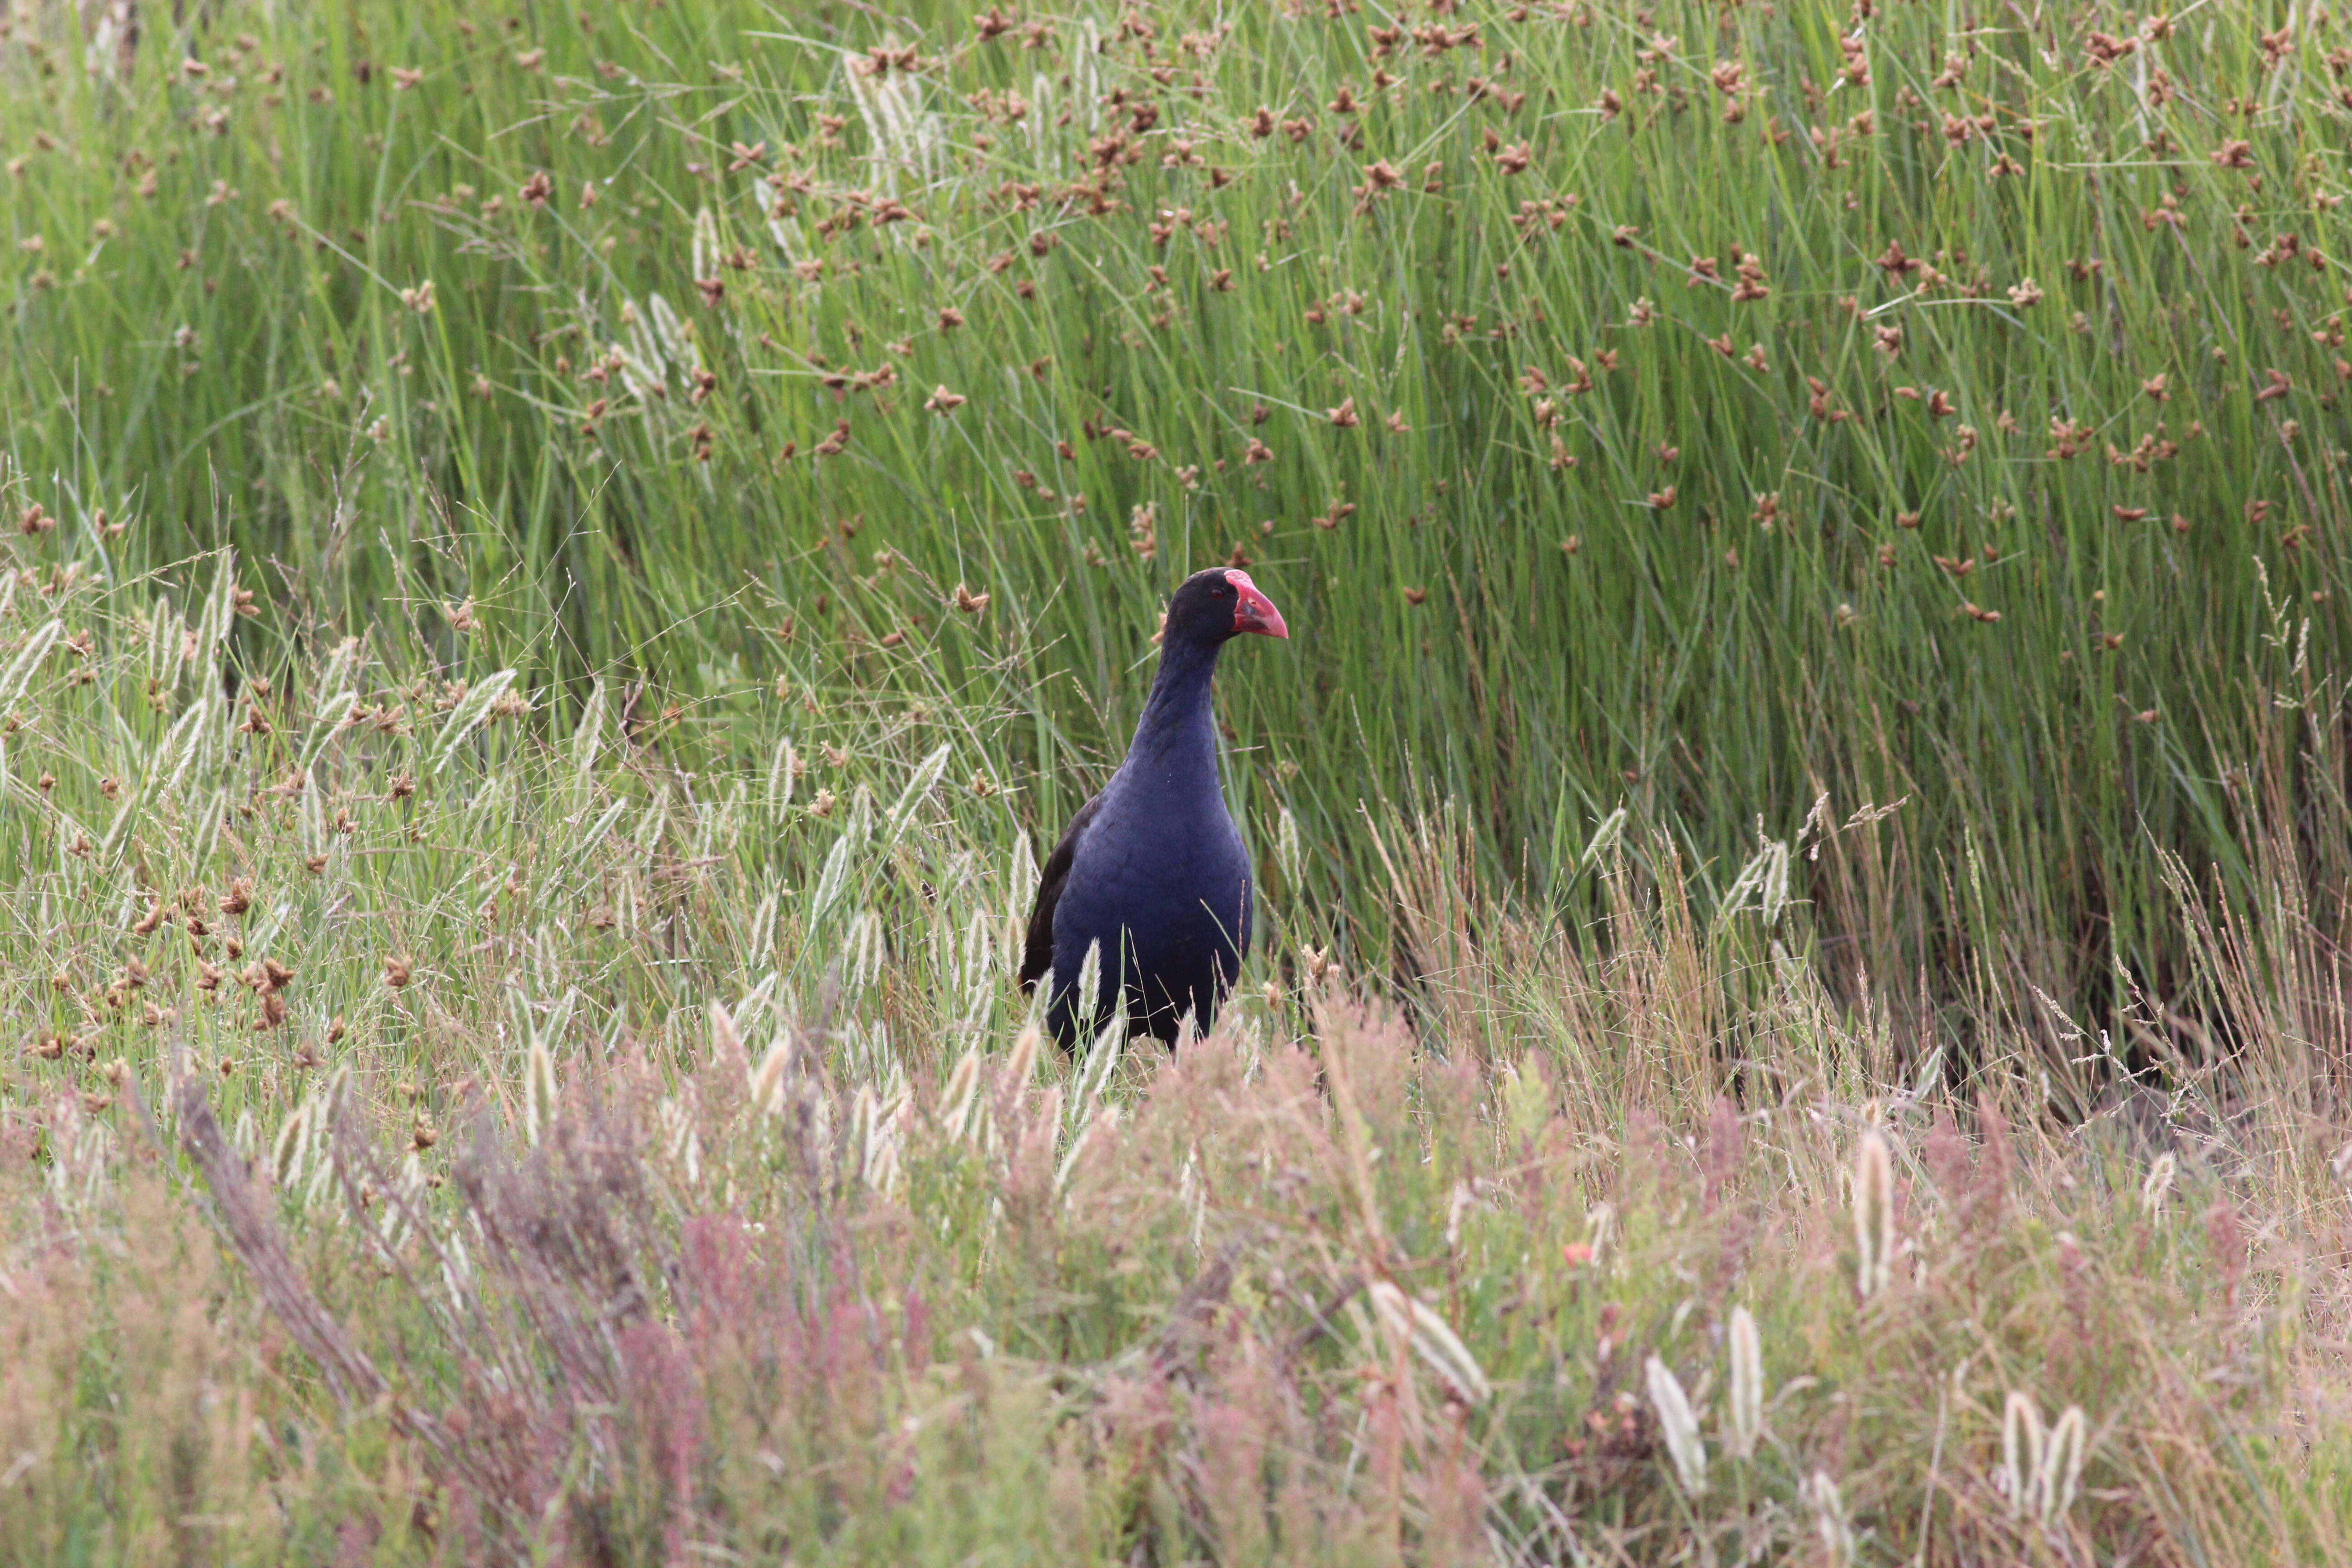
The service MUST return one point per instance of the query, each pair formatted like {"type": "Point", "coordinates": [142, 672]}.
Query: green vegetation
{"type": "Point", "coordinates": [211, 337]}
{"type": "Point", "coordinates": [564, 562]}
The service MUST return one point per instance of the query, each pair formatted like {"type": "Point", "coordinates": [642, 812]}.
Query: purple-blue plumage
{"type": "Point", "coordinates": [1152, 868]}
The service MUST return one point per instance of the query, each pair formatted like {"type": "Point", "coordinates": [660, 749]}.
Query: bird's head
{"type": "Point", "coordinates": [1213, 606]}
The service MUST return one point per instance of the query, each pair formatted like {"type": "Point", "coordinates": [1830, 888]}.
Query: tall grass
{"type": "Point", "coordinates": [2040, 321]}
{"type": "Point", "coordinates": [613, 1163]}
{"type": "Point", "coordinates": [508, 926]}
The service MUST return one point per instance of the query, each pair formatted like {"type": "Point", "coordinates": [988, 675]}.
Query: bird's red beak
{"type": "Point", "coordinates": [1252, 611]}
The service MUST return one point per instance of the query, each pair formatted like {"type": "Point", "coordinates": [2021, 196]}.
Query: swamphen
{"type": "Point", "coordinates": [1152, 868]}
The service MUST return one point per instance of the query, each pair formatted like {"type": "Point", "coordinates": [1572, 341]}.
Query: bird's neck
{"type": "Point", "coordinates": [1176, 740]}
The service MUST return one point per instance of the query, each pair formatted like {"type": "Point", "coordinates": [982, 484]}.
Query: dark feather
{"type": "Point", "coordinates": [1037, 950]}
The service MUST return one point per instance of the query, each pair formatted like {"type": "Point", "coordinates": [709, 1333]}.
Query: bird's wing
{"type": "Point", "coordinates": [1038, 952]}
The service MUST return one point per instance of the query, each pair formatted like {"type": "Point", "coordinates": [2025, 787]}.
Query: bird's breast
{"type": "Point", "coordinates": [1149, 858]}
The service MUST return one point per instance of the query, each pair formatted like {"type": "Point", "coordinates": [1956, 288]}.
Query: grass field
{"type": "Point", "coordinates": [567, 564]}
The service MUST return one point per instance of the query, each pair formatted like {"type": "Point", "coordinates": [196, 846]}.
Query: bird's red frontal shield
{"type": "Point", "coordinates": [1252, 611]}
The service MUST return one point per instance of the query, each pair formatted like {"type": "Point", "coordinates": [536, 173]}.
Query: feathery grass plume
{"type": "Point", "coordinates": [1413, 1321]}
{"type": "Point", "coordinates": [19, 674]}
{"type": "Point", "coordinates": [1089, 987]}
{"type": "Point", "coordinates": [906, 139]}
{"type": "Point", "coordinates": [1288, 855]}
{"type": "Point", "coordinates": [765, 1086]}
{"type": "Point", "coordinates": [290, 1150]}
{"type": "Point", "coordinates": [1604, 837]}
{"type": "Point", "coordinates": [1744, 1412]}
{"type": "Point", "coordinates": [681, 1132]}
{"type": "Point", "coordinates": [2023, 1445]}
{"type": "Point", "coordinates": [539, 1093]}
{"type": "Point", "coordinates": [1104, 1119]}
{"type": "Point", "coordinates": [878, 1136]}
{"type": "Point", "coordinates": [588, 735]}
{"type": "Point", "coordinates": [1762, 884]}
{"type": "Point", "coordinates": [469, 714]}
{"type": "Point", "coordinates": [1873, 1214]}
{"type": "Point", "coordinates": [1820, 1491]}
{"type": "Point", "coordinates": [1021, 1062]}
{"type": "Point", "coordinates": [960, 1108]}
{"type": "Point", "coordinates": [832, 880]}
{"type": "Point", "coordinates": [2157, 1185]}
{"type": "Point", "coordinates": [702, 257]}
{"type": "Point", "coordinates": [925, 779]}
{"type": "Point", "coordinates": [1678, 1424]}
{"type": "Point", "coordinates": [1192, 1195]}
{"type": "Point", "coordinates": [1102, 1059]}
{"type": "Point", "coordinates": [726, 1040]}
{"type": "Point", "coordinates": [784, 773]}
{"type": "Point", "coordinates": [2062, 1466]}
{"type": "Point", "coordinates": [866, 945]}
